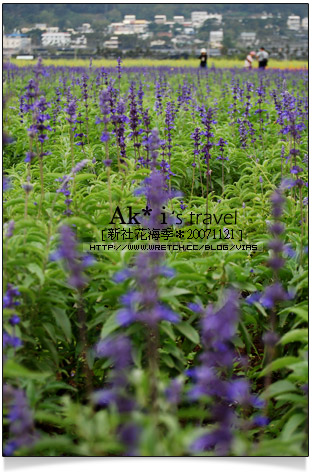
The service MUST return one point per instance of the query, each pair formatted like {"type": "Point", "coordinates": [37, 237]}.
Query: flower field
{"type": "Point", "coordinates": [155, 261]}
{"type": "Point", "coordinates": [147, 62]}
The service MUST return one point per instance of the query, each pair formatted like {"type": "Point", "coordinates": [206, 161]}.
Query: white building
{"type": "Point", "coordinates": [178, 19]}
{"type": "Point", "coordinates": [157, 43]}
{"type": "Point", "coordinates": [181, 40]}
{"type": "Point", "coordinates": [85, 28]}
{"type": "Point", "coordinates": [160, 19]}
{"type": "Point", "coordinates": [265, 16]}
{"type": "Point", "coordinates": [25, 57]}
{"type": "Point", "coordinates": [216, 38]}
{"type": "Point", "coordinates": [188, 30]}
{"type": "Point", "coordinates": [198, 18]}
{"type": "Point", "coordinates": [40, 26]}
{"type": "Point", "coordinates": [53, 29]}
{"type": "Point", "coordinates": [305, 23]}
{"type": "Point", "coordinates": [145, 36]}
{"type": "Point", "coordinates": [15, 43]}
{"type": "Point", "coordinates": [293, 22]}
{"type": "Point", "coordinates": [248, 38]}
{"type": "Point", "coordinates": [58, 39]}
{"type": "Point", "coordinates": [140, 26]}
{"type": "Point", "coordinates": [116, 28]}
{"type": "Point", "coordinates": [129, 26]}
{"type": "Point", "coordinates": [112, 43]}
{"type": "Point", "coordinates": [80, 42]}
{"type": "Point", "coordinates": [214, 16]}
{"type": "Point", "coordinates": [129, 18]}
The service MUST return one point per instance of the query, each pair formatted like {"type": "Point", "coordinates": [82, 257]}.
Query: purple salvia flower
{"type": "Point", "coordinates": [6, 183]}
{"type": "Point", "coordinates": [211, 379]}
{"type": "Point", "coordinates": [104, 105]}
{"type": "Point", "coordinates": [71, 111]}
{"type": "Point", "coordinates": [197, 141]}
{"type": "Point", "coordinates": [79, 166]}
{"type": "Point", "coordinates": [153, 143]}
{"type": "Point", "coordinates": [10, 229]}
{"type": "Point", "coordinates": [74, 260]}
{"type": "Point", "coordinates": [173, 391]}
{"type": "Point", "coordinates": [21, 425]}
{"type": "Point", "coordinates": [144, 304]}
{"type": "Point", "coordinates": [118, 349]}
{"type": "Point", "coordinates": [273, 295]}
{"type": "Point", "coordinates": [9, 297]}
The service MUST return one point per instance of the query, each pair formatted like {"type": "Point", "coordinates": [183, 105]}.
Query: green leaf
{"type": "Point", "coordinates": [50, 418]}
{"type": "Point", "coordinates": [34, 268]}
{"type": "Point", "coordinates": [300, 311]}
{"type": "Point", "coordinates": [110, 325]}
{"type": "Point", "coordinates": [56, 385]}
{"type": "Point", "coordinates": [59, 444]}
{"type": "Point", "coordinates": [300, 335]}
{"type": "Point", "coordinates": [293, 398]}
{"type": "Point", "coordinates": [279, 447]}
{"type": "Point", "coordinates": [168, 292]}
{"type": "Point", "coordinates": [81, 177]}
{"type": "Point", "coordinates": [167, 360]}
{"type": "Point", "coordinates": [168, 329]}
{"type": "Point", "coordinates": [90, 357]}
{"type": "Point", "coordinates": [188, 331]}
{"type": "Point", "coordinates": [281, 363]}
{"type": "Point", "coordinates": [276, 388]}
{"type": "Point", "coordinates": [12, 369]}
{"type": "Point", "coordinates": [63, 321]}
{"type": "Point", "coordinates": [291, 425]}
{"type": "Point", "coordinates": [300, 370]}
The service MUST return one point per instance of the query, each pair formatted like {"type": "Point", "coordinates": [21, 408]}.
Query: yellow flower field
{"type": "Point", "coordinates": [142, 62]}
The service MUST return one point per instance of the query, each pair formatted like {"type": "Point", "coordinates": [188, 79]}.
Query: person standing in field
{"type": "Point", "coordinates": [203, 58]}
{"type": "Point", "coordinates": [249, 60]}
{"type": "Point", "coordinates": [262, 57]}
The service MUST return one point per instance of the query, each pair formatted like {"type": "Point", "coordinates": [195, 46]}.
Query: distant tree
{"type": "Point", "coordinates": [35, 36]}
{"type": "Point", "coordinates": [155, 28]}
{"type": "Point", "coordinates": [227, 43]}
{"type": "Point", "coordinates": [114, 15]}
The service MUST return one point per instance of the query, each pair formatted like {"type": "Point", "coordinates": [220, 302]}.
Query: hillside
{"type": "Point", "coordinates": [72, 15]}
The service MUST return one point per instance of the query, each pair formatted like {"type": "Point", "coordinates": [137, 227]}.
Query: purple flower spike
{"type": "Point", "coordinates": [261, 420]}
{"type": "Point", "coordinates": [107, 162]}
{"type": "Point", "coordinates": [210, 379]}
{"type": "Point", "coordinates": [79, 166]}
{"type": "Point", "coordinates": [196, 308]}
{"type": "Point", "coordinates": [74, 261]}
{"type": "Point", "coordinates": [10, 229]}
{"type": "Point", "coordinates": [21, 425]}
{"type": "Point", "coordinates": [274, 294]}
{"type": "Point", "coordinates": [173, 391]}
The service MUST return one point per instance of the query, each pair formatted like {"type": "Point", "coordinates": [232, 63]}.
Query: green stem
{"type": "Point", "coordinates": [193, 178]}
{"type": "Point", "coordinates": [199, 166]}
{"type": "Point", "coordinates": [41, 171]}
{"type": "Point", "coordinates": [302, 229]}
{"type": "Point", "coordinates": [109, 191]}
{"type": "Point", "coordinates": [72, 150]}
{"type": "Point", "coordinates": [83, 331]}
{"type": "Point", "coordinates": [207, 189]}
{"type": "Point", "coordinates": [153, 363]}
